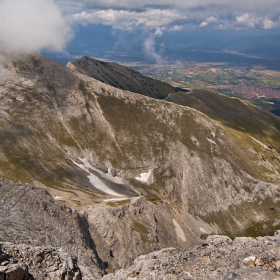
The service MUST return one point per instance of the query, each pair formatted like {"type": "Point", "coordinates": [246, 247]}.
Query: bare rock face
{"type": "Point", "coordinates": [124, 230]}
{"type": "Point", "coordinates": [14, 272]}
{"type": "Point", "coordinates": [31, 220]}
{"type": "Point", "coordinates": [22, 262]}
{"type": "Point", "coordinates": [219, 258]}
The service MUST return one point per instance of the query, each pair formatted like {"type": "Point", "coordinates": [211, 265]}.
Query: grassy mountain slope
{"type": "Point", "coordinates": [231, 112]}
{"type": "Point", "coordinates": [121, 77]}
{"type": "Point", "coordinates": [65, 131]}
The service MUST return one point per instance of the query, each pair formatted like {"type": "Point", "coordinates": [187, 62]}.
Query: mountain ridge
{"type": "Point", "coordinates": [121, 77]}
{"type": "Point", "coordinates": [179, 173]}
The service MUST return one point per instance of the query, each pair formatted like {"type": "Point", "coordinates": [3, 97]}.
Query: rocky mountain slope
{"type": "Point", "coordinates": [218, 258]}
{"type": "Point", "coordinates": [146, 173]}
{"type": "Point", "coordinates": [121, 77]}
{"type": "Point", "coordinates": [54, 243]}
{"type": "Point", "coordinates": [42, 237]}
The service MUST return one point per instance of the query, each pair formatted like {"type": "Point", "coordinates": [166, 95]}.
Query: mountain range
{"type": "Point", "coordinates": [141, 165]}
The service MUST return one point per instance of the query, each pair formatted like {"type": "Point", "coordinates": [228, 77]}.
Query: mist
{"type": "Point", "coordinates": [32, 25]}
{"type": "Point", "coordinates": [150, 50]}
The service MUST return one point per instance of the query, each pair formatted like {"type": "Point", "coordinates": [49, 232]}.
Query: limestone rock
{"type": "Point", "coordinates": [214, 260]}
{"type": "Point", "coordinates": [45, 235]}
{"type": "Point", "coordinates": [249, 260]}
{"type": "Point", "coordinates": [15, 272]}
{"type": "Point", "coordinates": [26, 261]}
{"type": "Point", "coordinates": [123, 231]}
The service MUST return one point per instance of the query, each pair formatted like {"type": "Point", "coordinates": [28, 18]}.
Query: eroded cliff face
{"type": "Point", "coordinates": [147, 173]}
{"type": "Point", "coordinates": [127, 229]}
{"type": "Point", "coordinates": [44, 237]}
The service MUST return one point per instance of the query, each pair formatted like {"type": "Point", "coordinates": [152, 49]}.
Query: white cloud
{"type": "Point", "coordinates": [256, 5]}
{"type": "Point", "coordinates": [203, 24]}
{"type": "Point", "coordinates": [124, 19]}
{"type": "Point", "coordinates": [243, 18]}
{"type": "Point", "coordinates": [70, 6]}
{"type": "Point", "coordinates": [247, 20]}
{"type": "Point", "coordinates": [131, 14]}
{"type": "Point", "coordinates": [269, 24]}
{"type": "Point", "coordinates": [159, 32]}
{"type": "Point", "coordinates": [31, 25]}
{"type": "Point", "coordinates": [211, 19]}
{"type": "Point", "coordinates": [176, 27]}
{"type": "Point", "coordinates": [150, 50]}
{"type": "Point", "coordinates": [208, 21]}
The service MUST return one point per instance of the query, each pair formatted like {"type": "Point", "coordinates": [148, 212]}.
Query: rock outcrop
{"type": "Point", "coordinates": [126, 229]}
{"type": "Point", "coordinates": [219, 258]}
{"type": "Point", "coordinates": [44, 235]}
{"type": "Point", "coordinates": [25, 262]}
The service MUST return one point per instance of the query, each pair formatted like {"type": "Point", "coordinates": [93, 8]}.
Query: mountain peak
{"type": "Point", "coordinates": [121, 77]}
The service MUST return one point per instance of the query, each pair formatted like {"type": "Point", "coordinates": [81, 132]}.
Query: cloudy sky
{"type": "Point", "coordinates": [161, 15]}
{"type": "Point", "coordinates": [48, 24]}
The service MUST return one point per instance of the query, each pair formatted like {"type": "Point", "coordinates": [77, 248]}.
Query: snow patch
{"type": "Point", "coordinates": [195, 141]}
{"type": "Point", "coordinates": [57, 197]}
{"type": "Point", "coordinates": [107, 175]}
{"type": "Point", "coordinates": [211, 141]}
{"type": "Point", "coordinates": [134, 199]}
{"type": "Point", "coordinates": [259, 142]}
{"type": "Point", "coordinates": [144, 177]}
{"type": "Point", "coordinates": [202, 230]}
{"type": "Point", "coordinates": [115, 199]}
{"type": "Point", "coordinates": [94, 180]}
{"type": "Point", "coordinates": [179, 231]}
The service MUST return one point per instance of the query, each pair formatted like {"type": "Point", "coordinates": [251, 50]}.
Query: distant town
{"type": "Point", "coordinates": [256, 84]}
{"type": "Point", "coordinates": [253, 92]}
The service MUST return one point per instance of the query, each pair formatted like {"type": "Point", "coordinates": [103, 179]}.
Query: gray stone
{"type": "Point", "coordinates": [231, 276]}
{"type": "Point", "coordinates": [220, 260]}
{"type": "Point", "coordinates": [15, 272]}
{"type": "Point", "coordinates": [218, 240]}
{"type": "Point", "coordinates": [37, 217]}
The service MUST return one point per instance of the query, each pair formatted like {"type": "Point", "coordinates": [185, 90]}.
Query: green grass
{"type": "Point", "coordinates": [118, 203]}
{"type": "Point", "coordinates": [141, 229]}
{"type": "Point", "coordinates": [164, 88]}
{"type": "Point", "coordinates": [245, 215]}
{"type": "Point", "coordinates": [154, 199]}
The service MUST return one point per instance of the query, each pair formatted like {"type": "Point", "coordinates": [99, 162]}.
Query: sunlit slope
{"type": "Point", "coordinates": [121, 77]}
{"type": "Point", "coordinates": [248, 123]}
{"type": "Point", "coordinates": [232, 112]}
{"type": "Point", "coordinates": [64, 130]}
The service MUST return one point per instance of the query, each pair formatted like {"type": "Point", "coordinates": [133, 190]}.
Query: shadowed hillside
{"type": "Point", "coordinates": [121, 77]}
